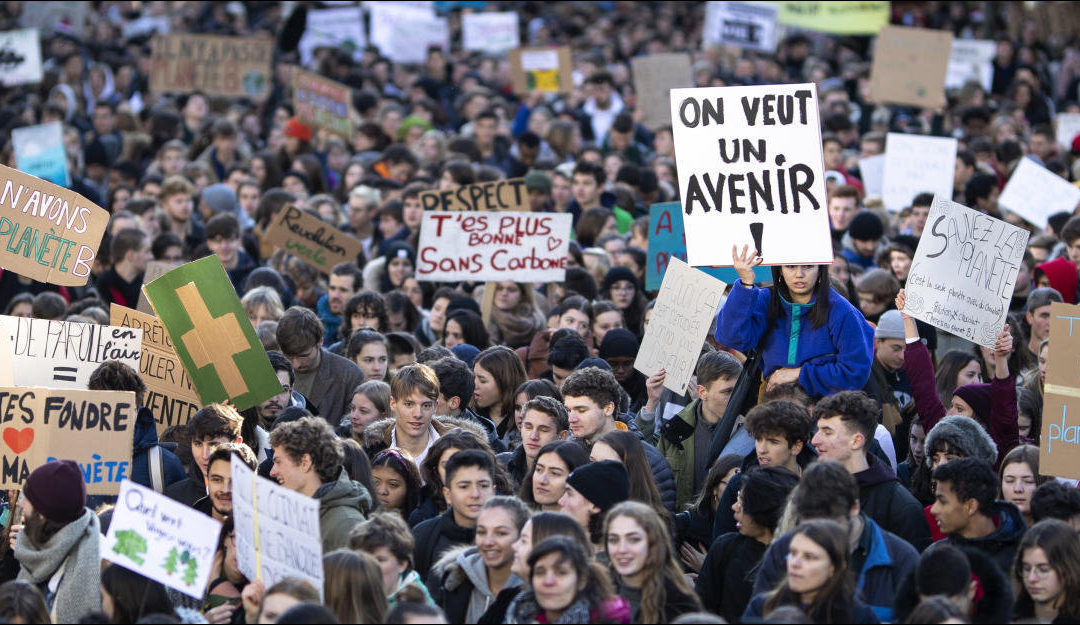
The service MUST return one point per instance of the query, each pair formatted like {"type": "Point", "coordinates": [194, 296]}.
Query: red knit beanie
{"type": "Point", "coordinates": [57, 491]}
{"type": "Point", "coordinates": [297, 130]}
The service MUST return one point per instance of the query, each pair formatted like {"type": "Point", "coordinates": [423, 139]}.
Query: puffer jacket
{"type": "Point", "coordinates": [661, 470]}
{"type": "Point", "coordinates": [377, 435]}
{"type": "Point", "coordinates": [461, 587]}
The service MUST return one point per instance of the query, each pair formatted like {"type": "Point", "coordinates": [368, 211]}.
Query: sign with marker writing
{"type": "Point", "coordinates": [970, 59]}
{"type": "Point", "coordinates": [1067, 126]}
{"type": "Point", "coordinates": [39, 151]}
{"type": "Point", "coordinates": [92, 428]}
{"type": "Point", "coordinates": [20, 57]}
{"type": "Point", "coordinates": [322, 102]}
{"type": "Point", "coordinates": [212, 335]}
{"type": "Point", "coordinates": [684, 310]}
{"type": "Point", "coordinates": [841, 18]}
{"type": "Point", "coordinates": [162, 539]}
{"type": "Point", "coordinates": [547, 70]}
{"type": "Point", "coordinates": [404, 33]}
{"type": "Point", "coordinates": [67, 15]}
{"type": "Point", "coordinates": [750, 173]}
{"type": "Point", "coordinates": [750, 26]}
{"type": "Point", "coordinates": [490, 246]}
{"type": "Point", "coordinates": [212, 64]}
{"type": "Point", "coordinates": [312, 240]}
{"type": "Point", "coordinates": [654, 77]}
{"type": "Point", "coordinates": [964, 272]}
{"type": "Point", "coordinates": [277, 530]}
{"type": "Point", "coordinates": [1034, 192]}
{"type": "Point", "coordinates": [7, 353]}
{"type": "Point", "coordinates": [916, 164]}
{"type": "Point", "coordinates": [169, 393]}
{"type": "Point", "coordinates": [1059, 440]}
{"type": "Point", "coordinates": [63, 354]}
{"type": "Point", "coordinates": [909, 66]}
{"type": "Point", "coordinates": [341, 28]}
{"type": "Point", "coordinates": [498, 195]}
{"type": "Point", "coordinates": [493, 33]}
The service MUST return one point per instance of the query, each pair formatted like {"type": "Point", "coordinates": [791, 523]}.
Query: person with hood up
{"type": "Point", "coordinates": [1060, 275]}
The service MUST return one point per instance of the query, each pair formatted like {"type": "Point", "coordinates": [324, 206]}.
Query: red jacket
{"type": "Point", "coordinates": [1062, 275]}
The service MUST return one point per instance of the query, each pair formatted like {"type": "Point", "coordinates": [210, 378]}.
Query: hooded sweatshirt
{"type": "Point", "coordinates": [463, 586]}
{"type": "Point", "coordinates": [885, 500]}
{"type": "Point", "coordinates": [1062, 275]}
{"type": "Point", "coordinates": [1000, 544]}
{"type": "Point", "coordinates": [341, 505]}
{"type": "Point", "coordinates": [75, 548]}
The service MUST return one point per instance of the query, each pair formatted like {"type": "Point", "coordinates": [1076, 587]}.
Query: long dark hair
{"type": "Point", "coordinates": [597, 588]}
{"type": "Point", "coordinates": [573, 455]}
{"type": "Point", "coordinates": [1058, 541]}
{"type": "Point", "coordinates": [834, 603]}
{"type": "Point", "coordinates": [819, 312]}
{"type": "Point", "coordinates": [402, 464]}
{"type": "Point", "coordinates": [643, 486]}
{"type": "Point", "coordinates": [133, 595]}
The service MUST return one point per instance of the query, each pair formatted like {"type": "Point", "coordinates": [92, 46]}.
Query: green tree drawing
{"type": "Point", "coordinates": [191, 572]}
{"type": "Point", "coordinates": [131, 544]}
{"type": "Point", "coordinates": [172, 561]}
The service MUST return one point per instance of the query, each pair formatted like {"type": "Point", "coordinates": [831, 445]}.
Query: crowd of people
{"type": "Point", "coordinates": [832, 461]}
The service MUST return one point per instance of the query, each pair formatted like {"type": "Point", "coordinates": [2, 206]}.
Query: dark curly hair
{"type": "Point", "coordinates": [598, 385]}
{"type": "Point", "coordinates": [314, 437]}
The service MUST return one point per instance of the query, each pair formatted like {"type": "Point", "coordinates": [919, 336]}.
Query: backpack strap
{"type": "Point", "coordinates": [157, 470]}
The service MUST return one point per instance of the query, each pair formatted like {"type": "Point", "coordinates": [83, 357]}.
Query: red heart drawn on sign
{"type": "Point", "coordinates": [19, 440]}
{"type": "Point", "coordinates": [553, 243]}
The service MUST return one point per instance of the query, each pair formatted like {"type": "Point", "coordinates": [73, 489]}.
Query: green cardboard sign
{"type": "Point", "coordinates": [199, 308]}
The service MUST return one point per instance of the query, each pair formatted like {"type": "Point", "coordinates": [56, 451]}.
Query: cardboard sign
{"type": "Point", "coordinates": [547, 70]}
{"type": "Point", "coordinates": [228, 66]}
{"type": "Point", "coordinates": [154, 270]}
{"type": "Point", "coordinates": [841, 18]}
{"type": "Point", "coordinates": [93, 428]}
{"type": "Point", "coordinates": [523, 247]}
{"type": "Point", "coordinates": [1035, 193]}
{"type": "Point", "coordinates": [872, 171]}
{"type": "Point", "coordinates": [667, 241]}
{"type": "Point", "coordinates": [169, 393]}
{"type": "Point", "coordinates": [497, 195]}
{"type": "Point", "coordinates": [1068, 126]}
{"type": "Point", "coordinates": [403, 33]}
{"type": "Point", "coordinates": [341, 28]}
{"type": "Point", "coordinates": [212, 335]}
{"type": "Point", "coordinates": [916, 164]}
{"type": "Point", "coordinates": [909, 66]}
{"type": "Point", "coordinates": [277, 530]}
{"type": "Point", "coordinates": [162, 539]}
{"type": "Point", "coordinates": [312, 240]}
{"type": "Point", "coordinates": [654, 76]}
{"type": "Point", "coordinates": [63, 354]}
{"type": "Point", "coordinates": [750, 173]}
{"type": "Point", "coordinates": [750, 26]}
{"type": "Point", "coordinates": [684, 310]}
{"type": "Point", "coordinates": [1059, 441]}
{"type": "Point", "coordinates": [21, 54]}
{"type": "Point", "coordinates": [322, 102]}
{"type": "Point", "coordinates": [964, 272]}
{"type": "Point", "coordinates": [493, 33]}
{"type": "Point", "coordinates": [970, 59]}
{"type": "Point", "coordinates": [39, 151]}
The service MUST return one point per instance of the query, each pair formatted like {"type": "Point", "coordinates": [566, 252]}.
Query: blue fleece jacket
{"type": "Point", "coordinates": [331, 322]}
{"type": "Point", "coordinates": [834, 357]}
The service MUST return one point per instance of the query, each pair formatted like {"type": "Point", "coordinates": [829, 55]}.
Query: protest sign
{"type": "Point", "coordinates": [970, 59]}
{"type": "Point", "coordinates": [750, 173]}
{"type": "Point", "coordinates": [872, 170]}
{"type": "Point", "coordinates": [548, 70]}
{"type": "Point", "coordinates": [404, 33]}
{"type": "Point", "coordinates": [169, 393]}
{"type": "Point", "coordinates": [66, 16]}
{"type": "Point", "coordinates": [277, 530]}
{"type": "Point", "coordinates": [228, 66]}
{"type": "Point", "coordinates": [667, 240]}
{"type": "Point", "coordinates": [39, 151]}
{"type": "Point", "coordinates": [1059, 442]}
{"type": "Point", "coordinates": [341, 28]}
{"type": "Point", "coordinates": [750, 26]}
{"type": "Point", "coordinates": [841, 18]}
{"type": "Point", "coordinates": [1035, 193]}
{"type": "Point", "coordinates": [63, 354]}
{"type": "Point", "coordinates": [7, 366]}
{"type": "Point", "coordinates": [161, 539]}
{"type": "Point", "coordinates": [523, 247]}
{"type": "Point", "coordinates": [916, 164]}
{"type": "Point", "coordinates": [212, 335]}
{"type": "Point", "coordinates": [964, 272]}
{"type": "Point", "coordinates": [498, 195]}
{"type": "Point", "coordinates": [154, 270]}
{"type": "Point", "coordinates": [684, 310]}
{"type": "Point", "coordinates": [493, 33]}
{"type": "Point", "coordinates": [312, 240]}
{"type": "Point", "coordinates": [93, 428]}
{"type": "Point", "coordinates": [909, 66]}
{"type": "Point", "coordinates": [322, 102]}
{"type": "Point", "coordinates": [654, 76]}
{"type": "Point", "coordinates": [1068, 126]}
{"type": "Point", "coordinates": [20, 57]}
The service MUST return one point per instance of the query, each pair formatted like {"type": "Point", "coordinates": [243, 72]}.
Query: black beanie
{"type": "Point", "coordinates": [604, 483]}
{"type": "Point", "coordinates": [866, 226]}
{"type": "Point", "coordinates": [617, 273]}
{"type": "Point", "coordinates": [617, 343]}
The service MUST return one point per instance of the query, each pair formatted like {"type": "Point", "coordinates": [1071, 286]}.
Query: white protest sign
{"type": "Point", "coordinates": [63, 354]}
{"type": "Point", "coordinates": [687, 303]}
{"type": "Point", "coordinates": [404, 33]}
{"type": "Point", "coordinates": [872, 170]}
{"type": "Point", "coordinates": [964, 272]}
{"type": "Point", "coordinates": [1068, 126]}
{"type": "Point", "coordinates": [493, 246]}
{"type": "Point", "coordinates": [7, 369]}
{"type": "Point", "coordinates": [750, 26]}
{"type": "Point", "coordinates": [39, 151]}
{"type": "Point", "coordinates": [916, 164]}
{"type": "Point", "coordinates": [162, 539]}
{"type": "Point", "coordinates": [970, 59]}
{"type": "Point", "coordinates": [494, 33]}
{"type": "Point", "coordinates": [750, 173]}
{"type": "Point", "coordinates": [341, 27]}
{"type": "Point", "coordinates": [1035, 193]}
{"type": "Point", "coordinates": [20, 57]}
{"type": "Point", "coordinates": [277, 530]}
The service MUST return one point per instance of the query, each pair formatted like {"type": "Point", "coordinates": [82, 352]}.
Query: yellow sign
{"type": "Point", "coordinates": [841, 18]}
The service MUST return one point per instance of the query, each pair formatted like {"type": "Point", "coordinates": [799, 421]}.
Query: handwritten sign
{"type": "Point", "coordinates": [277, 530]}
{"type": "Point", "coordinates": [7, 353]}
{"type": "Point", "coordinates": [909, 66]}
{"type": "Point", "coordinates": [322, 102]}
{"type": "Point", "coordinates": [1035, 193]}
{"type": "Point", "coordinates": [39, 151]}
{"type": "Point", "coordinates": [841, 18]}
{"type": "Point", "coordinates": [684, 310]}
{"type": "Point", "coordinates": [1059, 442]}
{"type": "Point", "coordinates": [162, 539]}
{"type": "Point", "coordinates": [493, 33]}
{"type": "Point", "coordinates": [404, 33]}
{"type": "Point", "coordinates": [750, 26]}
{"type": "Point", "coordinates": [964, 272]}
{"type": "Point", "coordinates": [498, 195]}
{"type": "Point", "coordinates": [93, 428]}
{"type": "Point", "coordinates": [20, 51]}
{"type": "Point", "coordinates": [1067, 127]}
{"type": "Point", "coordinates": [654, 76]}
{"type": "Point", "coordinates": [915, 164]}
{"type": "Point", "coordinates": [312, 240]}
{"type": "Point", "coordinates": [970, 59]}
{"type": "Point", "coordinates": [228, 66]}
{"type": "Point", "coordinates": [169, 393]}
{"type": "Point", "coordinates": [63, 354]}
{"type": "Point", "coordinates": [341, 28]}
{"type": "Point", "coordinates": [872, 171]}
{"type": "Point", "coordinates": [547, 70]}
{"type": "Point", "coordinates": [750, 173]}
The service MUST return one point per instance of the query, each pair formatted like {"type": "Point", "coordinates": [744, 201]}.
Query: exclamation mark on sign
{"type": "Point", "coordinates": [755, 231]}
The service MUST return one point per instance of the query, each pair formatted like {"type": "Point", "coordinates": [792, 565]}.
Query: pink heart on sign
{"type": "Point", "coordinates": [553, 243]}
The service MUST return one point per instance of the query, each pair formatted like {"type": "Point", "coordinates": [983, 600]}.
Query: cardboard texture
{"type": "Point", "coordinates": [161, 539]}
{"type": "Point", "coordinates": [1067, 127]}
{"type": "Point", "coordinates": [1035, 193]}
{"type": "Point", "coordinates": [154, 270]}
{"type": "Point", "coordinates": [228, 66]}
{"type": "Point", "coordinates": [685, 308]}
{"type": "Point", "coordinates": [909, 66]}
{"type": "Point", "coordinates": [971, 59]}
{"type": "Point", "coordinates": [312, 240]}
{"type": "Point", "coordinates": [492, 33]}
{"type": "Point", "coordinates": [1059, 442]}
{"type": "Point", "coordinates": [47, 233]}
{"type": "Point", "coordinates": [964, 272]}
{"type": "Point", "coordinates": [743, 24]}
{"type": "Point", "coordinates": [403, 33]}
{"type": "Point", "coordinates": [322, 102]}
{"type": "Point", "coordinates": [212, 335]}
{"type": "Point", "coordinates": [39, 151]}
{"type": "Point", "coordinates": [915, 164]}
{"type": "Point", "coordinates": [654, 76]}
{"type": "Point", "coordinates": [841, 18]}
{"type": "Point", "coordinates": [93, 428]}
{"type": "Point", "coordinates": [751, 173]}
{"type": "Point", "coordinates": [499, 195]}
{"type": "Point", "coordinates": [63, 354]}
{"type": "Point", "coordinates": [547, 70]}
{"type": "Point", "coordinates": [341, 28]}
{"type": "Point", "coordinates": [169, 393]}
{"type": "Point", "coordinates": [22, 57]}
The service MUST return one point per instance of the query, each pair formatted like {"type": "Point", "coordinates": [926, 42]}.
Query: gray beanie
{"type": "Point", "coordinates": [890, 326]}
{"type": "Point", "coordinates": [963, 434]}
{"type": "Point", "coordinates": [220, 198]}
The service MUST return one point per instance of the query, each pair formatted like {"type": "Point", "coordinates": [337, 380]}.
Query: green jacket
{"type": "Point", "coordinates": [680, 455]}
{"type": "Point", "coordinates": [341, 506]}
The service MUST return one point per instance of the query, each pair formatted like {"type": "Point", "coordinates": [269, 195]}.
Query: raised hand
{"type": "Point", "coordinates": [745, 262]}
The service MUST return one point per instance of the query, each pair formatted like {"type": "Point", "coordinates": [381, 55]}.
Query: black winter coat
{"type": "Point", "coordinates": [885, 500]}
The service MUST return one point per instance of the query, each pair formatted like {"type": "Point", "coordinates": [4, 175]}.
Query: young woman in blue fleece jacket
{"type": "Point", "coordinates": [812, 335]}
